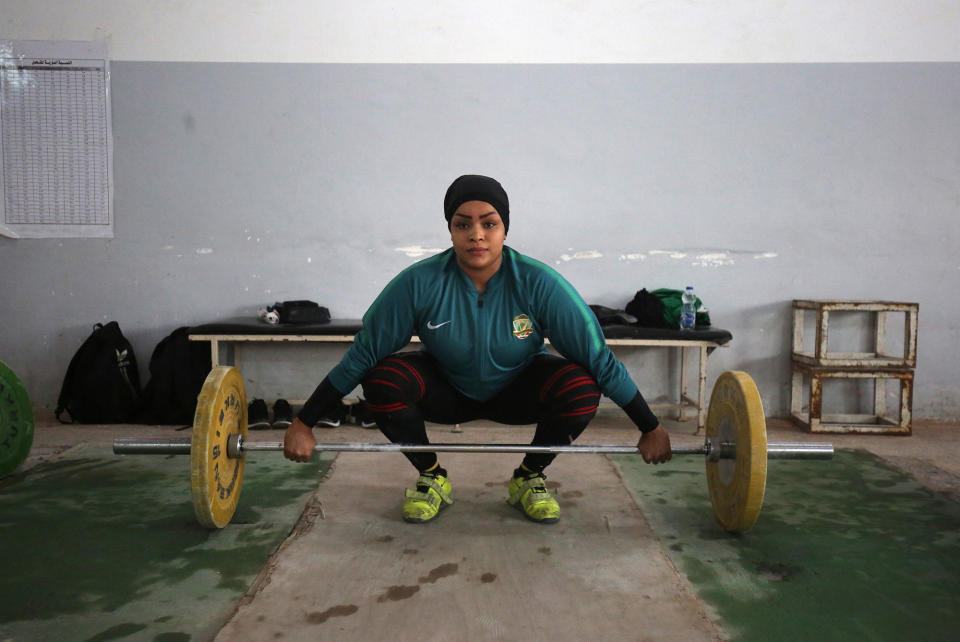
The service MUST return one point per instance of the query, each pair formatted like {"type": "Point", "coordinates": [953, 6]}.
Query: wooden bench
{"type": "Point", "coordinates": [232, 333]}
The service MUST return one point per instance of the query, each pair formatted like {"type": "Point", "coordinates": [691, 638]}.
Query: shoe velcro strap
{"type": "Point", "coordinates": [431, 482]}
{"type": "Point", "coordinates": [432, 499]}
{"type": "Point", "coordinates": [532, 499]}
{"type": "Point", "coordinates": [531, 484]}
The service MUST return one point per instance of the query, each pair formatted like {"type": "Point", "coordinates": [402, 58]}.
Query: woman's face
{"type": "Point", "coordinates": [477, 233]}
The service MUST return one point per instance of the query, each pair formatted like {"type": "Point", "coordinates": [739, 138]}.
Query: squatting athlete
{"type": "Point", "coordinates": [482, 311]}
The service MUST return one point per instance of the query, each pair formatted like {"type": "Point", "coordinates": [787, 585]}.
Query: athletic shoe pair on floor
{"type": "Point", "coordinates": [528, 494]}
{"type": "Point", "coordinates": [355, 413]}
{"type": "Point", "coordinates": [258, 419]}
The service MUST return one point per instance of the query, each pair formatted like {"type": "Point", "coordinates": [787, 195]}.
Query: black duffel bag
{"type": "Point", "coordinates": [301, 312]}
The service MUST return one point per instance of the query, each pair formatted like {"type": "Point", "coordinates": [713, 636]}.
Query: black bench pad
{"type": "Point", "coordinates": [246, 325]}
{"type": "Point", "coordinates": [717, 335]}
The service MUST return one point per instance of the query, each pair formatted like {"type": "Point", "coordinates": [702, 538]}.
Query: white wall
{"type": "Point", "coordinates": [758, 183]}
{"type": "Point", "coordinates": [499, 31]}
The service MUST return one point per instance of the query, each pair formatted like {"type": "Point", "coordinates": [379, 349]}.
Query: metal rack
{"type": "Point", "coordinates": [812, 365]}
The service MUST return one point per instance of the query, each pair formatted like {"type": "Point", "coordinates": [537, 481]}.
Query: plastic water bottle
{"type": "Point", "coordinates": [688, 309]}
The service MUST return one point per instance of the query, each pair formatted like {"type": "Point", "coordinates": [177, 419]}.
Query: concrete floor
{"type": "Point", "coordinates": [351, 569]}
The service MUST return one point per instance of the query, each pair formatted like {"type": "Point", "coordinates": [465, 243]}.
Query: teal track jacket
{"type": "Point", "coordinates": [483, 341]}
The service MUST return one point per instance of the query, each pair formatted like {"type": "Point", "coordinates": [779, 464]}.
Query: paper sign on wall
{"type": "Point", "coordinates": [56, 146]}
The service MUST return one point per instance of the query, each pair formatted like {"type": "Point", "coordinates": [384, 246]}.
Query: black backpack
{"type": "Point", "coordinates": [178, 368]}
{"type": "Point", "coordinates": [102, 384]}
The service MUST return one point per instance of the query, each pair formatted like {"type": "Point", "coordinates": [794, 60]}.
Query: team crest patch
{"type": "Point", "coordinates": [522, 326]}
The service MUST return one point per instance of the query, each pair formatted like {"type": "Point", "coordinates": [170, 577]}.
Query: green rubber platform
{"type": "Point", "coordinates": [850, 549]}
{"type": "Point", "coordinates": [102, 547]}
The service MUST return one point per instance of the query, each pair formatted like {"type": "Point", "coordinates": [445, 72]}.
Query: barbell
{"type": "Point", "coordinates": [736, 449]}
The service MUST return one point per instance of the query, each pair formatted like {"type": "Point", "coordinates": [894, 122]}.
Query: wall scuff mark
{"type": "Point", "coordinates": [414, 251]}
{"type": "Point", "coordinates": [587, 254]}
{"type": "Point", "coordinates": [702, 257]}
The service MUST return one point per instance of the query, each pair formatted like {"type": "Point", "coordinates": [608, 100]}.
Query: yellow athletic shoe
{"type": "Point", "coordinates": [424, 502]}
{"type": "Point", "coordinates": [528, 493]}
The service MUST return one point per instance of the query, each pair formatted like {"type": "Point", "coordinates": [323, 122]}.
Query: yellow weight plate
{"type": "Point", "coordinates": [215, 479]}
{"type": "Point", "coordinates": [737, 485]}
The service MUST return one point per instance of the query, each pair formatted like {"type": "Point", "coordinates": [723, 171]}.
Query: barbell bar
{"type": "Point", "coordinates": [237, 446]}
{"type": "Point", "coordinates": [735, 449]}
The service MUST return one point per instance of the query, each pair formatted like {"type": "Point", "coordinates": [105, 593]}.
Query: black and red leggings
{"type": "Point", "coordinates": [407, 389]}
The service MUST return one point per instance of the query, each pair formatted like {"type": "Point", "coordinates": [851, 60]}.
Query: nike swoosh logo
{"type": "Point", "coordinates": [430, 326]}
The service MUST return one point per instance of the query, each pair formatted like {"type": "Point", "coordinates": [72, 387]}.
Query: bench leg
{"type": "Point", "coordinates": [701, 391]}
{"type": "Point", "coordinates": [683, 383]}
